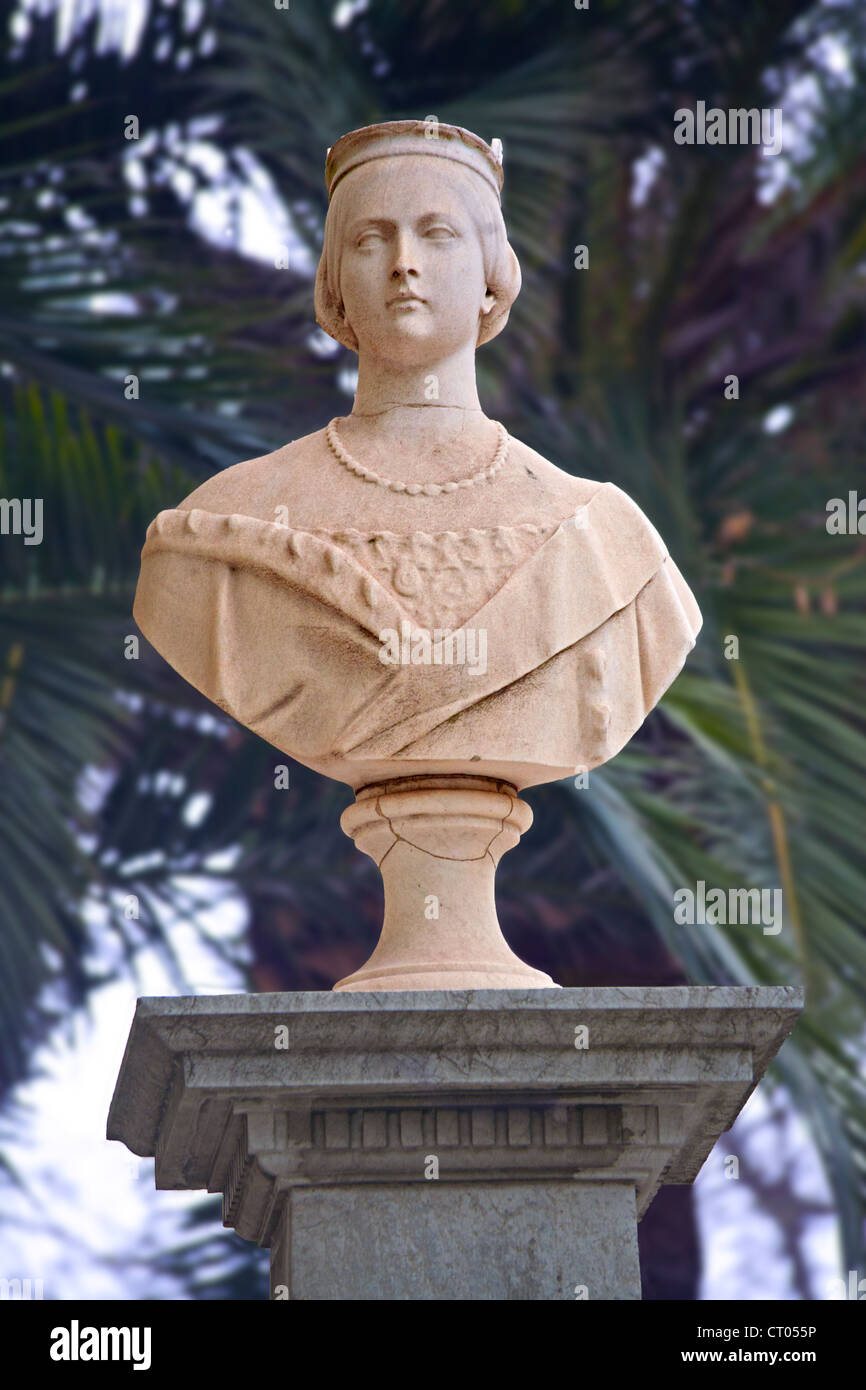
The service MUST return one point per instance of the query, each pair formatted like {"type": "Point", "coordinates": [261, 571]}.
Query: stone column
{"type": "Point", "coordinates": [489, 1144]}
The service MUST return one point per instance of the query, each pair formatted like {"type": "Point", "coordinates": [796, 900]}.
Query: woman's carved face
{"type": "Point", "coordinates": [411, 268]}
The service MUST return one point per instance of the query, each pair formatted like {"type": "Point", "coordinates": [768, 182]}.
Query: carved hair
{"type": "Point", "coordinates": [501, 267]}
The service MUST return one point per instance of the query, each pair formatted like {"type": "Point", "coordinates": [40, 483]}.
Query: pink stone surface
{"type": "Point", "coordinates": [274, 586]}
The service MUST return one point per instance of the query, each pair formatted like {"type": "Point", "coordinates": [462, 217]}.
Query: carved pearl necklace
{"type": "Point", "coordinates": [416, 489]}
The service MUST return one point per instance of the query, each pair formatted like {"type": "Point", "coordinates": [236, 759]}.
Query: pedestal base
{"type": "Point", "coordinates": [437, 842]}
{"type": "Point", "coordinates": [444, 1145]}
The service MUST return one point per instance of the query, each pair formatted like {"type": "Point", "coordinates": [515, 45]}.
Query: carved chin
{"type": "Point", "coordinates": [401, 330]}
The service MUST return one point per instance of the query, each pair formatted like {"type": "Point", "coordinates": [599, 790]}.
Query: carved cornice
{"type": "Point", "coordinates": [489, 1083]}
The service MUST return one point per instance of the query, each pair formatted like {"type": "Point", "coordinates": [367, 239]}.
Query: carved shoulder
{"type": "Point", "coordinates": [546, 476]}
{"type": "Point", "coordinates": [258, 486]}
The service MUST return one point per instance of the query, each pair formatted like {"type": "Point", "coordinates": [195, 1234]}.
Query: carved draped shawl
{"type": "Point", "coordinates": [587, 622]}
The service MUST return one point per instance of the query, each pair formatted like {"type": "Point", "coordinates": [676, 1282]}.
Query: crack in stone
{"type": "Point", "coordinates": [451, 859]}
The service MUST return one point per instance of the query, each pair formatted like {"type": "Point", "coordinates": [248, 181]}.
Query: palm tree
{"type": "Point", "coordinates": [750, 771]}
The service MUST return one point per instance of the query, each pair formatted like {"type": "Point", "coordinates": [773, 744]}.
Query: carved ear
{"type": "Point", "coordinates": [489, 301]}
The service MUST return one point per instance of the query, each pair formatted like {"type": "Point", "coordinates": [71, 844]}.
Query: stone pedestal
{"type": "Point", "coordinates": [437, 842]}
{"type": "Point", "coordinates": [488, 1144]}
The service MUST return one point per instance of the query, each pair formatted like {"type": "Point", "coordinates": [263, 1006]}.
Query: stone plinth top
{"type": "Point", "coordinates": [262, 1092]}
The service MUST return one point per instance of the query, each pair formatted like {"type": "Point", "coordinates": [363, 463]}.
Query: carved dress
{"type": "Point", "coordinates": [587, 622]}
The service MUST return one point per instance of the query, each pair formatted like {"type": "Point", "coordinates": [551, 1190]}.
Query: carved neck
{"type": "Point", "coordinates": [396, 430]}
{"type": "Point", "coordinates": [436, 391]}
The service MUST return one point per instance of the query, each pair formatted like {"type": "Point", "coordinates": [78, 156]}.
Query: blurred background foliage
{"type": "Point", "coordinates": [704, 261]}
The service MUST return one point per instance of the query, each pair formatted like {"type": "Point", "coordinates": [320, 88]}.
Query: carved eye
{"type": "Point", "coordinates": [364, 238]}
{"type": "Point", "coordinates": [439, 233]}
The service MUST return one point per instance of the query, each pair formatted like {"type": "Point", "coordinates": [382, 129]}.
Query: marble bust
{"type": "Point", "coordinates": [411, 600]}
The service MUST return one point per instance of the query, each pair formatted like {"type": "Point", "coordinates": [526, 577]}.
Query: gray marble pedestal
{"type": "Point", "coordinates": [487, 1144]}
